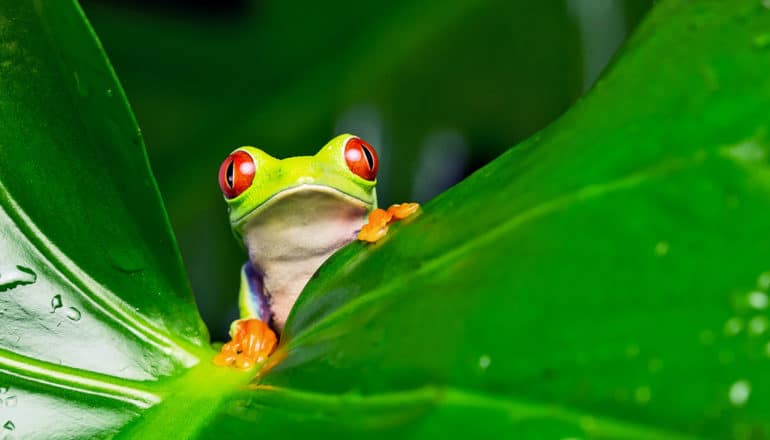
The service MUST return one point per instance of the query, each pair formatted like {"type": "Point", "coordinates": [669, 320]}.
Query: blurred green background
{"type": "Point", "coordinates": [439, 87]}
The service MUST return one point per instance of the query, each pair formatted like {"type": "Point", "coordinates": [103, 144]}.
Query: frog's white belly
{"type": "Point", "coordinates": [293, 234]}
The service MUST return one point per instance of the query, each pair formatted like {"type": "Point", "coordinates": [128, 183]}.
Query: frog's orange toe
{"type": "Point", "coordinates": [372, 233]}
{"type": "Point", "coordinates": [379, 219]}
{"type": "Point", "coordinates": [252, 343]}
{"type": "Point", "coordinates": [377, 226]}
{"type": "Point", "coordinates": [224, 359]}
{"type": "Point", "coordinates": [403, 210]}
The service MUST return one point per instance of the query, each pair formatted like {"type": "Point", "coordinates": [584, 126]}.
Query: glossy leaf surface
{"type": "Point", "coordinates": [93, 299]}
{"type": "Point", "coordinates": [607, 278]}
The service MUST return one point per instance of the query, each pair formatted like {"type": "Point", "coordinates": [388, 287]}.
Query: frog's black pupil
{"type": "Point", "coordinates": [369, 157]}
{"type": "Point", "coordinates": [230, 172]}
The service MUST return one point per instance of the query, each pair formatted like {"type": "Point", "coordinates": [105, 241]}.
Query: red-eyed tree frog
{"type": "Point", "coordinates": [291, 215]}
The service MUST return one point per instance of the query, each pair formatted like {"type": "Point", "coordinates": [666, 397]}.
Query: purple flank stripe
{"type": "Point", "coordinates": [257, 297]}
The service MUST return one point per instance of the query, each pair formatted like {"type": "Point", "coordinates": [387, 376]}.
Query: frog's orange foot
{"type": "Point", "coordinates": [379, 219]}
{"type": "Point", "coordinates": [252, 343]}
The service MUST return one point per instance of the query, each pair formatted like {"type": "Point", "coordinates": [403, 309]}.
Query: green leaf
{"type": "Point", "coordinates": [607, 278]}
{"type": "Point", "coordinates": [94, 303]}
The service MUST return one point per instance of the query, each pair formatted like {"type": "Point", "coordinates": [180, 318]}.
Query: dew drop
{"type": "Point", "coordinates": [758, 325]}
{"type": "Point", "coordinates": [766, 4]}
{"type": "Point", "coordinates": [109, 93]}
{"type": "Point", "coordinates": [484, 362]}
{"type": "Point", "coordinates": [733, 326]}
{"type": "Point", "coordinates": [138, 136]}
{"type": "Point", "coordinates": [747, 151]}
{"type": "Point", "coordinates": [11, 401]}
{"type": "Point", "coordinates": [56, 303]}
{"type": "Point", "coordinates": [18, 276]}
{"type": "Point", "coordinates": [3, 390]}
{"type": "Point", "coordinates": [661, 248]}
{"type": "Point", "coordinates": [9, 425]}
{"type": "Point", "coordinates": [740, 392]}
{"type": "Point", "coordinates": [758, 300]}
{"type": "Point", "coordinates": [73, 314]}
{"type": "Point", "coordinates": [642, 395]}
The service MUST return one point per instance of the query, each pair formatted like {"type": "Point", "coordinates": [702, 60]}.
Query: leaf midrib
{"type": "Point", "coordinates": [76, 380]}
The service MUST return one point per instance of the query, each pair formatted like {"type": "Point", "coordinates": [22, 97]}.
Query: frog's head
{"type": "Point", "coordinates": [252, 180]}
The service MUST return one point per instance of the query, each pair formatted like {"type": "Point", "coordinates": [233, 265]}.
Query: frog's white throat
{"type": "Point", "coordinates": [293, 234]}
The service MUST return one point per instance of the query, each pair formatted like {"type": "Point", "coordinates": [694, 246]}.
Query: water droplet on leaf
{"type": "Point", "coordinates": [484, 362]}
{"type": "Point", "coordinates": [11, 401]}
{"type": "Point", "coordinates": [73, 314]}
{"type": "Point", "coordinates": [740, 392]}
{"type": "Point", "coordinates": [138, 136]}
{"type": "Point", "coordinates": [758, 325]}
{"type": "Point", "coordinates": [17, 276]}
{"type": "Point", "coordinates": [733, 326]}
{"type": "Point", "coordinates": [758, 300]}
{"type": "Point", "coordinates": [9, 425]}
{"type": "Point", "coordinates": [56, 303]}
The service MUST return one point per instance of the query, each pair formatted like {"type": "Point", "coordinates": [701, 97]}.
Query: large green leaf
{"type": "Point", "coordinates": [93, 299]}
{"type": "Point", "coordinates": [605, 279]}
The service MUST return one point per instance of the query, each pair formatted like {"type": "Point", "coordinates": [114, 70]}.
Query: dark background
{"type": "Point", "coordinates": [439, 87]}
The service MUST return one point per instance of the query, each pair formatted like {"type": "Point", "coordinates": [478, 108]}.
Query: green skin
{"type": "Point", "coordinates": [294, 215]}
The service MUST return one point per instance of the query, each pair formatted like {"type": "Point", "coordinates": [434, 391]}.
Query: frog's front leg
{"type": "Point", "coordinates": [252, 338]}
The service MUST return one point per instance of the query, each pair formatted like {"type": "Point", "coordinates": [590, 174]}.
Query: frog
{"type": "Point", "coordinates": [291, 215]}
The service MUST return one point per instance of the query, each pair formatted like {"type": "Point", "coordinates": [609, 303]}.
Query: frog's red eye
{"type": "Point", "coordinates": [236, 173]}
{"type": "Point", "coordinates": [361, 158]}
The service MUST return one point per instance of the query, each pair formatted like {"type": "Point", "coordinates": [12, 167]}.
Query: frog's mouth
{"type": "Point", "coordinates": [297, 191]}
